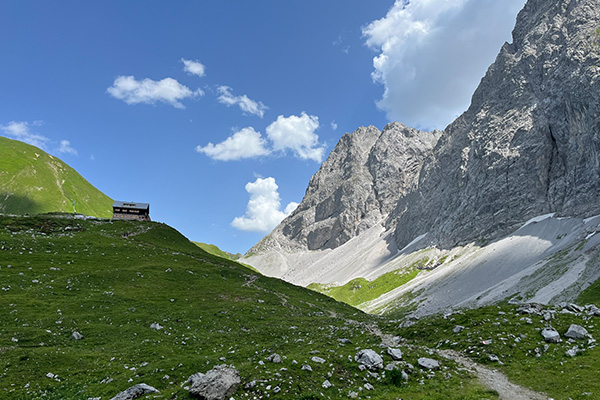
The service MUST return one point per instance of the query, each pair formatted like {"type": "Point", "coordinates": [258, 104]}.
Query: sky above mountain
{"type": "Point", "coordinates": [218, 113]}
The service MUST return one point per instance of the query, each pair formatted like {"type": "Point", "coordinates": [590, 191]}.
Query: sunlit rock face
{"type": "Point", "coordinates": [530, 140]}
{"type": "Point", "coordinates": [528, 145]}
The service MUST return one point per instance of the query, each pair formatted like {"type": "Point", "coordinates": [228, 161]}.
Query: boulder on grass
{"type": "Point", "coordinates": [428, 363]}
{"type": "Point", "coordinates": [369, 359]}
{"type": "Point", "coordinates": [551, 335]}
{"type": "Point", "coordinates": [576, 332]}
{"type": "Point", "coordinates": [134, 392]}
{"type": "Point", "coordinates": [219, 383]}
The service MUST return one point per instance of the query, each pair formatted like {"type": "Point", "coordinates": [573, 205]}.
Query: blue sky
{"type": "Point", "coordinates": [217, 113]}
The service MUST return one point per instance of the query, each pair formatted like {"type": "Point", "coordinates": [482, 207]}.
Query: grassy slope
{"type": "Point", "coordinates": [212, 249]}
{"type": "Point", "coordinates": [360, 290]}
{"type": "Point", "coordinates": [514, 340]}
{"type": "Point", "coordinates": [33, 182]}
{"type": "Point", "coordinates": [111, 280]}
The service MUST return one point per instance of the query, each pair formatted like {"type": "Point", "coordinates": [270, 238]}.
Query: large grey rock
{"type": "Point", "coordinates": [428, 363]}
{"type": "Point", "coordinates": [369, 359]}
{"type": "Point", "coordinates": [134, 392]}
{"type": "Point", "coordinates": [219, 383]}
{"type": "Point", "coordinates": [576, 332]}
{"type": "Point", "coordinates": [396, 354]}
{"type": "Point", "coordinates": [551, 335]}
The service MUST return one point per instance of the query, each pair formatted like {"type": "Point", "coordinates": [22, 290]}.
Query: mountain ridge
{"type": "Point", "coordinates": [527, 146]}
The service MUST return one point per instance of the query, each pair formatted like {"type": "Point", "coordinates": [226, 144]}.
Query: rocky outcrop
{"type": "Point", "coordinates": [356, 187]}
{"type": "Point", "coordinates": [219, 383]}
{"type": "Point", "coordinates": [135, 392]}
{"type": "Point", "coordinates": [529, 144]}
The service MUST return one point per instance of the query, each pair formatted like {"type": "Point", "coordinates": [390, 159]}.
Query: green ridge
{"type": "Point", "coordinates": [33, 182]}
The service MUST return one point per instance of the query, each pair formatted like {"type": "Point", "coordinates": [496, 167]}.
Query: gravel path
{"type": "Point", "coordinates": [493, 379]}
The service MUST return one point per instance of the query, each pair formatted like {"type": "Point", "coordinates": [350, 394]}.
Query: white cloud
{"type": "Point", "coordinates": [297, 134]}
{"type": "Point", "coordinates": [193, 67]}
{"type": "Point", "coordinates": [246, 143]}
{"type": "Point", "coordinates": [21, 131]}
{"type": "Point", "coordinates": [263, 211]}
{"type": "Point", "coordinates": [246, 104]}
{"type": "Point", "coordinates": [147, 91]}
{"type": "Point", "coordinates": [334, 125]}
{"type": "Point", "coordinates": [433, 53]}
{"type": "Point", "coordinates": [65, 148]}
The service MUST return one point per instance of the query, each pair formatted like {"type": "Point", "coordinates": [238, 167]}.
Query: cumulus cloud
{"type": "Point", "coordinates": [297, 133]}
{"type": "Point", "coordinates": [193, 67]}
{"type": "Point", "coordinates": [246, 143]}
{"type": "Point", "coordinates": [263, 211]}
{"type": "Point", "coordinates": [247, 105]}
{"type": "Point", "coordinates": [65, 148]}
{"type": "Point", "coordinates": [22, 131]}
{"type": "Point", "coordinates": [433, 53]}
{"type": "Point", "coordinates": [148, 91]}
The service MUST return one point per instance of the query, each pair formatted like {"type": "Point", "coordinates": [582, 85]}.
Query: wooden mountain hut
{"type": "Point", "coordinates": [130, 210]}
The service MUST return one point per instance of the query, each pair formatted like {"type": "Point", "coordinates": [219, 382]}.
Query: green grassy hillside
{"type": "Point", "coordinates": [212, 249]}
{"type": "Point", "coordinates": [33, 182]}
{"type": "Point", "coordinates": [110, 281]}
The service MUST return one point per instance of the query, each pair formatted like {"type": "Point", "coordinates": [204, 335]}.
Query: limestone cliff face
{"type": "Point", "coordinates": [356, 187]}
{"type": "Point", "coordinates": [529, 144]}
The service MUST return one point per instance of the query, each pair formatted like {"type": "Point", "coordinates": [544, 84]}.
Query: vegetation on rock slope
{"type": "Point", "coordinates": [33, 182]}
{"type": "Point", "coordinates": [111, 281]}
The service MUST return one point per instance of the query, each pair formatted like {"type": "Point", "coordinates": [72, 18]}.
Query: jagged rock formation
{"type": "Point", "coordinates": [356, 187]}
{"type": "Point", "coordinates": [529, 144]}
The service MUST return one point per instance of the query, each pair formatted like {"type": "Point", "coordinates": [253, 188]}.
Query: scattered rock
{"type": "Point", "coordinates": [458, 329]}
{"type": "Point", "coordinates": [368, 386]}
{"type": "Point", "coordinates": [318, 360]}
{"type": "Point", "coordinates": [306, 367]}
{"type": "Point", "coordinates": [370, 359]}
{"type": "Point", "coordinates": [326, 384]}
{"type": "Point", "coordinates": [404, 376]}
{"type": "Point", "coordinates": [396, 354]}
{"type": "Point", "coordinates": [572, 352]}
{"type": "Point", "coordinates": [593, 310]}
{"type": "Point", "coordinates": [428, 363]}
{"type": "Point", "coordinates": [574, 308]}
{"type": "Point", "coordinates": [77, 336]}
{"type": "Point", "coordinates": [134, 392]}
{"type": "Point", "coordinates": [551, 335]}
{"type": "Point", "coordinates": [391, 367]}
{"type": "Point", "coordinates": [156, 326]}
{"type": "Point", "coordinates": [494, 358]}
{"type": "Point", "coordinates": [576, 332]}
{"type": "Point", "coordinates": [345, 341]}
{"type": "Point", "coordinates": [217, 384]}
{"type": "Point", "coordinates": [274, 358]}
{"type": "Point", "coordinates": [530, 309]}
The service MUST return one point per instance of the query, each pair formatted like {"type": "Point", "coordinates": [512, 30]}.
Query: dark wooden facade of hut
{"type": "Point", "coordinates": [129, 210]}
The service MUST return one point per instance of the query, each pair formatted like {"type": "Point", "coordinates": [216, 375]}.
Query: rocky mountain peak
{"type": "Point", "coordinates": [355, 188]}
{"type": "Point", "coordinates": [529, 144]}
